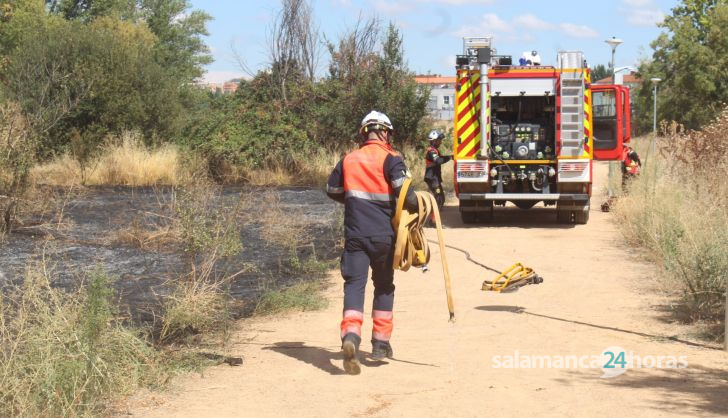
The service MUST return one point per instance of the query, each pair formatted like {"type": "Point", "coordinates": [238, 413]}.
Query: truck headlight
{"type": "Point", "coordinates": [493, 172]}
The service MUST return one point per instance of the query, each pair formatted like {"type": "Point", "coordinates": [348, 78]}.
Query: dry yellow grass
{"type": "Point", "coordinates": [139, 237]}
{"type": "Point", "coordinates": [677, 210]}
{"type": "Point", "coordinates": [130, 163]}
{"type": "Point", "coordinates": [127, 162]}
{"type": "Point", "coordinates": [311, 170]}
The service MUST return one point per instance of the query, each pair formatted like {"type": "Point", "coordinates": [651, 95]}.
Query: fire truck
{"type": "Point", "coordinates": [527, 133]}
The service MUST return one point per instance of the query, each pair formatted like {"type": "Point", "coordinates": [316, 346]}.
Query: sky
{"type": "Point", "coordinates": [433, 29]}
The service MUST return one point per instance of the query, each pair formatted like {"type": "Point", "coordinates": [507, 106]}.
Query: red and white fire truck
{"type": "Point", "coordinates": [527, 133]}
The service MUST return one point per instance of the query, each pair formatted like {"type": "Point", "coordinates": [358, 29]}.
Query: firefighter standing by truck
{"type": "Point", "coordinates": [631, 164]}
{"type": "Point", "coordinates": [368, 181]}
{"type": "Point", "coordinates": [433, 162]}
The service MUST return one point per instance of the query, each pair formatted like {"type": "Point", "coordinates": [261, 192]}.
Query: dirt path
{"type": "Point", "coordinates": [595, 295]}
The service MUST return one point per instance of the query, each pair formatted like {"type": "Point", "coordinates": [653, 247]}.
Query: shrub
{"type": "Point", "coordinates": [199, 304]}
{"type": "Point", "coordinates": [677, 209]}
{"type": "Point", "coordinates": [65, 353]}
{"type": "Point", "coordinates": [18, 146]}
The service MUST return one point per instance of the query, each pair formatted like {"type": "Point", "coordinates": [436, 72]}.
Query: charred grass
{"type": "Point", "coordinates": [73, 353]}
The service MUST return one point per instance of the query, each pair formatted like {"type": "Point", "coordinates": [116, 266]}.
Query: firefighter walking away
{"type": "Point", "coordinates": [433, 163]}
{"type": "Point", "coordinates": [367, 182]}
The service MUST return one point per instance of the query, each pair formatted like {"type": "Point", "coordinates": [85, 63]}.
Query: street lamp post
{"type": "Point", "coordinates": [613, 43]}
{"type": "Point", "coordinates": [654, 81]}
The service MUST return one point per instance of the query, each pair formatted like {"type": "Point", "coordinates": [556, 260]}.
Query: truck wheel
{"type": "Point", "coordinates": [487, 214]}
{"type": "Point", "coordinates": [581, 215]}
{"type": "Point", "coordinates": [524, 204]}
{"type": "Point", "coordinates": [469, 217]}
{"type": "Point", "coordinates": [563, 216]}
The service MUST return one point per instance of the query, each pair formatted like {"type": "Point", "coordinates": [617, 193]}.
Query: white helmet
{"type": "Point", "coordinates": [435, 135]}
{"type": "Point", "coordinates": [375, 120]}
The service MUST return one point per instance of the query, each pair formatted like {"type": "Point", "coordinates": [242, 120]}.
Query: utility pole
{"type": "Point", "coordinates": [613, 43]}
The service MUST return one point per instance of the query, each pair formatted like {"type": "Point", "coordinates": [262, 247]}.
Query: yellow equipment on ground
{"type": "Point", "coordinates": [512, 278]}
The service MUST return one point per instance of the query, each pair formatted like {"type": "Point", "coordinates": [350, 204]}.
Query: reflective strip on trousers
{"type": "Point", "coordinates": [352, 322]}
{"type": "Point", "coordinates": [382, 329]}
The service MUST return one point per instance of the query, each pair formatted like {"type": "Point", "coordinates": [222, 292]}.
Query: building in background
{"type": "Point", "coordinates": [228, 87]}
{"type": "Point", "coordinates": [441, 104]}
{"type": "Point", "coordinates": [630, 80]}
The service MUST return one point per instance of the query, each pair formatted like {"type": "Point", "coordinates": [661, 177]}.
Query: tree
{"type": "Point", "coordinates": [86, 68]}
{"type": "Point", "coordinates": [690, 57]}
{"type": "Point", "coordinates": [599, 72]}
{"type": "Point", "coordinates": [91, 9]}
{"type": "Point", "coordinates": [179, 30]}
{"type": "Point", "coordinates": [45, 75]}
{"type": "Point", "coordinates": [68, 77]}
{"type": "Point", "coordinates": [180, 48]}
{"type": "Point", "coordinates": [293, 46]}
{"type": "Point", "coordinates": [402, 98]}
{"type": "Point", "coordinates": [361, 79]}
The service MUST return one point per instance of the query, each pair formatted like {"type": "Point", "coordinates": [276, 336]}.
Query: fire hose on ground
{"type": "Point", "coordinates": [411, 248]}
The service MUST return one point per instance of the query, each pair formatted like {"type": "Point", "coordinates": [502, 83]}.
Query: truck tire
{"type": "Point", "coordinates": [486, 216]}
{"type": "Point", "coordinates": [563, 216]}
{"type": "Point", "coordinates": [476, 211]}
{"type": "Point", "coordinates": [581, 215]}
{"type": "Point", "coordinates": [524, 204]}
{"type": "Point", "coordinates": [469, 217]}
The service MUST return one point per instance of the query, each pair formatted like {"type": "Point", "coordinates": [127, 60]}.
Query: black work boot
{"type": "Point", "coordinates": [350, 346]}
{"type": "Point", "coordinates": [381, 350]}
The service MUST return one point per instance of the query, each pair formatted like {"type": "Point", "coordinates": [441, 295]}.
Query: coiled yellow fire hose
{"type": "Point", "coordinates": [411, 247]}
{"type": "Point", "coordinates": [514, 277]}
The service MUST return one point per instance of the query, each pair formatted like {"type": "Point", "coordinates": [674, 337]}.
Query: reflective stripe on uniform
{"type": "Point", "coordinates": [383, 325]}
{"type": "Point", "coordinates": [398, 183]}
{"type": "Point", "coordinates": [377, 197]}
{"type": "Point", "coordinates": [334, 190]}
{"type": "Point", "coordinates": [351, 322]}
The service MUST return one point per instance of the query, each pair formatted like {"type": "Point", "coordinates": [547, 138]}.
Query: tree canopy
{"type": "Point", "coordinates": [690, 57]}
{"type": "Point", "coordinates": [100, 66]}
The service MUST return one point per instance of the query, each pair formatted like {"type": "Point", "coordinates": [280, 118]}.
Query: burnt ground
{"type": "Point", "coordinates": [88, 237]}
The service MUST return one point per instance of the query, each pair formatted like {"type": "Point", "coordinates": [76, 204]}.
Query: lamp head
{"type": "Point", "coordinates": [655, 80]}
{"type": "Point", "coordinates": [614, 42]}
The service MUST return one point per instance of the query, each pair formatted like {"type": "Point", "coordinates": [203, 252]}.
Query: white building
{"type": "Point", "coordinates": [442, 96]}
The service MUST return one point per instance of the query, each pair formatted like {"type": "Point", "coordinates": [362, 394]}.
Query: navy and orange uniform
{"type": "Point", "coordinates": [631, 162]}
{"type": "Point", "coordinates": [368, 182]}
{"type": "Point", "coordinates": [433, 173]}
